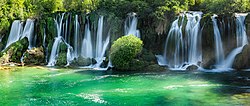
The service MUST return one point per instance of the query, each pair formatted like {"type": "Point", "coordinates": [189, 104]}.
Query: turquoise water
{"type": "Point", "coordinates": [42, 86]}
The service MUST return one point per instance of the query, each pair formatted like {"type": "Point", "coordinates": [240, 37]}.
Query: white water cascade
{"type": "Point", "coordinates": [15, 32]}
{"type": "Point", "coordinates": [18, 32]}
{"type": "Point", "coordinates": [101, 44]}
{"type": "Point", "coordinates": [179, 54]}
{"type": "Point", "coordinates": [130, 26]}
{"type": "Point", "coordinates": [241, 38]}
{"type": "Point", "coordinates": [76, 37]}
{"type": "Point", "coordinates": [219, 51]}
{"type": "Point", "coordinates": [58, 40]}
{"type": "Point", "coordinates": [29, 32]}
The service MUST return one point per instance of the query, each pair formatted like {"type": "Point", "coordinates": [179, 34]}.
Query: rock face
{"type": "Point", "coordinates": [35, 56]}
{"type": "Point", "coordinates": [14, 52]}
{"type": "Point", "coordinates": [242, 60]}
{"type": "Point", "coordinates": [80, 61]}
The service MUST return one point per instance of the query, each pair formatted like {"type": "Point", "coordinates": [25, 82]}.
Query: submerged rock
{"type": "Point", "coordinates": [35, 56]}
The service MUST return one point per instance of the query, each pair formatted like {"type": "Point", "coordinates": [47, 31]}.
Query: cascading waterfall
{"type": "Point", "coordinates": [130, 26]}
{"type": "Point", "coordinates": [56, 44]}
{"type": "Point", "coordinates": [241, 39]}
{"type": "Point", "coordinates": [29, 32]}
{"type": "Point", "coordinates": [55, 51]}
{"type": "Point", "coordinates": [15, 32]}
{"type": "Point", "coordinates": [193, 46]}
{"type": "Point", "coordinates": [76, 37]}
{"type": "Point", "coordinates": [179, 54]}
{"type": "Point", "coordinates": [18, 32]}
{"type": "Point", "coordinates": [101, 44]}
{"type": "Point", "coordinates": [87, 48]}
{"type": "Point", "coordinates": [219, 50]}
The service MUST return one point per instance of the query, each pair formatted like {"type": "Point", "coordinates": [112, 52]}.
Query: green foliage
{"type": "Point", "coordinates": [80, 5]}
{"type": "Point", "coordinates": [15, 51]}
{"type": "Point", "coordinates": [62, 59]}
{"type": "Point", "coordinates": [124, 50]}
{"type": "Point", "coordinates": [225, 6]}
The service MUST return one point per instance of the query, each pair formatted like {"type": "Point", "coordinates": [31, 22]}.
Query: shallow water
{"type": "Point", "coordinates": [41, 86]}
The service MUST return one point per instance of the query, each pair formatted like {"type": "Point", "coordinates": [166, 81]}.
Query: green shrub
{"type": "Point", "coordinates": [124, 50]}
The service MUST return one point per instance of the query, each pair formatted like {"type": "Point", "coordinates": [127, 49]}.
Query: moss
{"type": "Point", "coordinates": [62, 59]}
{"type": "Point", "coordinates": [124, 50]}
{"type": "Point", "coordinates": [15, 51]}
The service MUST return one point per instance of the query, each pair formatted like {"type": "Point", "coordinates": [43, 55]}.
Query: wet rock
{"type": "Point", "coordinates": [35, 56]}
{"type": "Point", "coordinates": [80, 61]}
{"type": "Point", "coordinates": [242, 60]}
{"type": "Point", "coordinates": [192, 68]}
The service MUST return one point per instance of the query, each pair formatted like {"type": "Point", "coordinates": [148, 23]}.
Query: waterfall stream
{"type": "Point", "coordinates": [130, 26]}
{"type": "Point", "coordinates": [241, 39]}
{"type": "Point", "coordinates": [182, 51]}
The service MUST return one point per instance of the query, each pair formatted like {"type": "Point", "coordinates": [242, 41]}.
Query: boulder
{"type": "Point", "coordinates": [35, 56]}
{"type": "Point", "coordinates": [80, 61]}
{"type": "Point", "coordinates": [242, 60]}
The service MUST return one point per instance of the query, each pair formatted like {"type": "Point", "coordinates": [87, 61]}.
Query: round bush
{"type": "Point", "coordinates": [124, 50]}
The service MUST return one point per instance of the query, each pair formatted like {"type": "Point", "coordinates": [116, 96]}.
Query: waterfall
{"type": "Point", "coordinates": [241, 38]}
{"type": "Point", "coordinates": [58, 40]}
{"type": "Point", "coordinates": [130, 26]}
{"type": "Point", "coordinates": [76, 37]}
{"type": "Point", "coordinates": [15, 32]}
{"type": "Point", "coordinates": [218, 42]}
{"type": "Point", "coordinates": [55, 51]}
{"type": "Point", "coordinates": [101, 44]}
{"type": "Point", "coordinates": [182, 51]}
{"type": "Point", "coordinates": [29, 32]}
{"type": "Point", "coordinates": [18, 32]}
{"type": "Point", "coordinates": [87, 48]}
{"type": "Point", "coordinates": [70, 54]}
{"type": "Point", "coordinates": [194, 38]}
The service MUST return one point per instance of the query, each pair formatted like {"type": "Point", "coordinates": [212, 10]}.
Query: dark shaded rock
{"type": "Point", "coordinates": [209, 64]}
{"type": "Point", "coordinates": [80, 61]}
{"type": "Point", "coordinates": [192, 68]}
{"type": "Point", "coordinates": [35, 56]}
{"type": "Point", "coordinates": [14, 52]}
{"type": "Point", "coordinates": [155, 67]}
{"type": "Point", "coordinates": [147, 56]}
{"type": "Point", "coordinates": [242, 60]}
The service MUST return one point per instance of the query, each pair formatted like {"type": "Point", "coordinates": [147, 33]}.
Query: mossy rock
{"type": "Point", "coordinates": [14, 52]}
{"type": "Point", "coordinates": [62, 59]}
{"type": "Point", "coordinates": [35, 56]}
{"type": "Point", "coordinates": [124, 50]}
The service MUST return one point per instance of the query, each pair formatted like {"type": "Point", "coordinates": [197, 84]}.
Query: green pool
{"type": "Point", "coordinates": [42, 86]}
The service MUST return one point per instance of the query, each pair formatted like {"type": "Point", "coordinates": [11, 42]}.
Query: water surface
{"type": "Point", "coordinates": [42, 86]}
